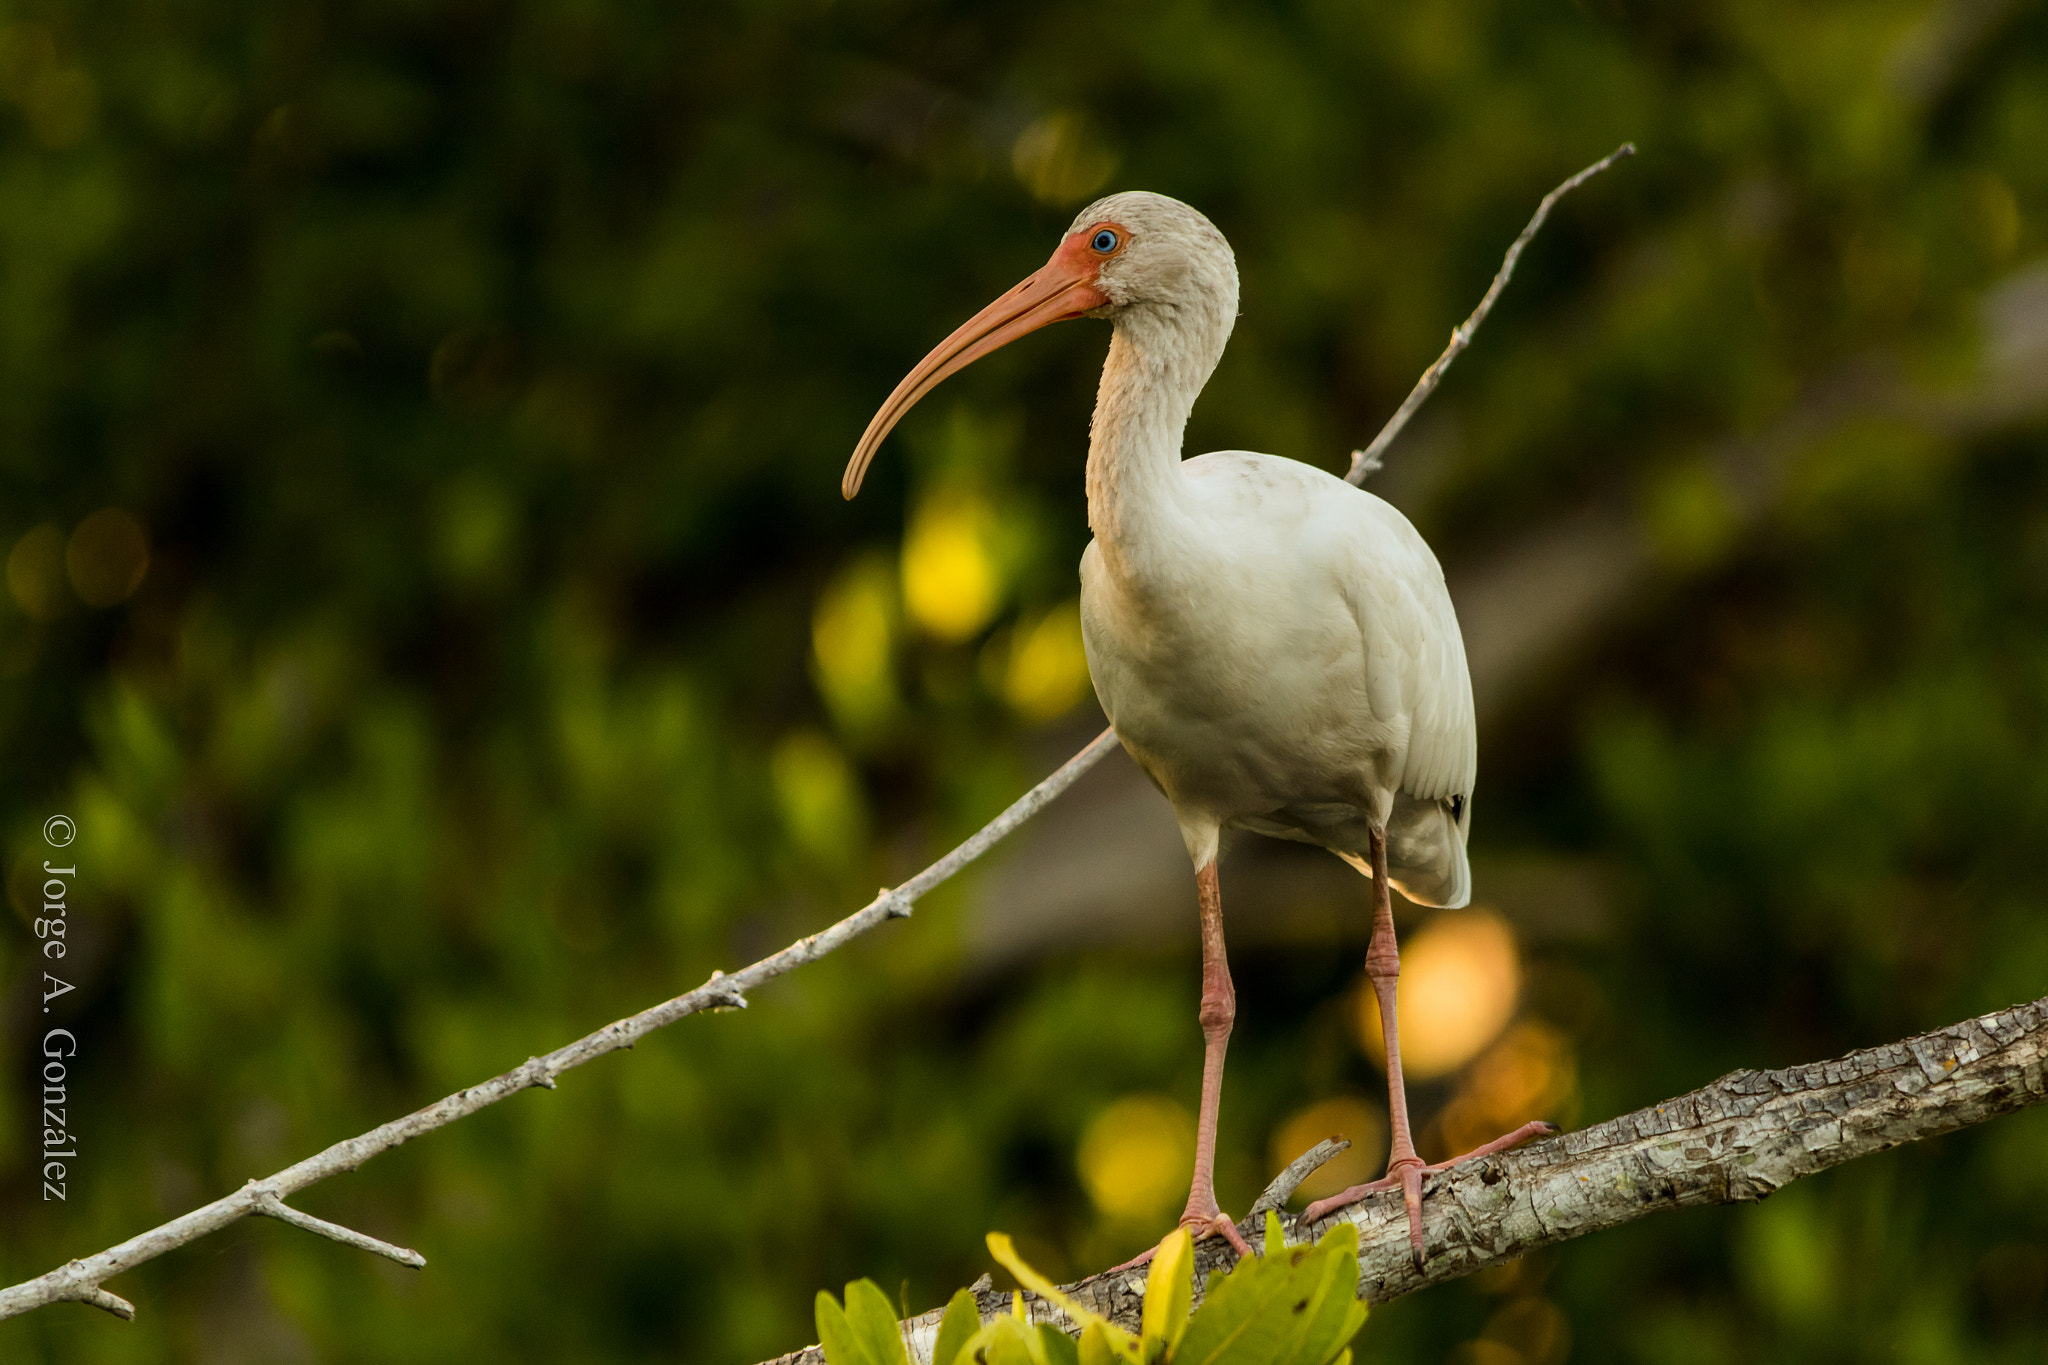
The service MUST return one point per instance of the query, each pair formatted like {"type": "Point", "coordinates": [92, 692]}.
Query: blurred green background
{"type": "Point", "coordinates": [428, 589]}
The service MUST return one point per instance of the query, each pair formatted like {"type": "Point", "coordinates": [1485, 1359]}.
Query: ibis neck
{"type": "Point", "coordinates": [1136, 494]}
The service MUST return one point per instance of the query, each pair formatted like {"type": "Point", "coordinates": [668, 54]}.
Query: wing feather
{"type": "Point", "coordinates": [1414, 652]}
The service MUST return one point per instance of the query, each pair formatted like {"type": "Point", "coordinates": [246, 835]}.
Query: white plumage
{"type": "Point", "coordinates": [1288, 661]}
{"type": "Point", "coordinates": [1275, 647]}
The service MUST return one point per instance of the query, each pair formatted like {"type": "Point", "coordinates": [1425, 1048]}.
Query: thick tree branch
{"type": "Point", "coordinates": [79, 1281]}
{"type": "Point", "coordinates": [1740, 1139]}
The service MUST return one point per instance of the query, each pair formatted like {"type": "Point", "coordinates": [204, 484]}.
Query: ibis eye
{"type": "Point", "coordinates": [1104, 241]}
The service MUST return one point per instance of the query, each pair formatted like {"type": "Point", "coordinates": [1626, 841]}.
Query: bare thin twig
{"type": "Point", "coordinates": [1738, 1140]}
{"type": "Point", "coordinates": [1288, 1181]}
{"type": "Point", "coordinates": [100, 1298]}
{"type": "Point", "coordinates": [270, 1206]}
{"type": "Point", "coordinates": [79, 1280]}
{"type": "Point", "coordinates": [1364, 462]}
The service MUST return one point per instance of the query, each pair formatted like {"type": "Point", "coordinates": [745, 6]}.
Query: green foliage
{"type": "Point", "coordinates": [864, 1331]}
{"type": "Point", "coordinates": [1169, 1289]}
{"type": "Point", "coordinates": [957, 1326]}
{"type": "Point", "coordinates": [1294, 1306]}
{"type": "Point", "coordinates": [481, 375]}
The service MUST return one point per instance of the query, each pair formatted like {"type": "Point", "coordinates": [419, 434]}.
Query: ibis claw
{"type": "Point", "coordinates": [1406, 1175]}
{"type": "Point", "coordinates": [1216, 1225]}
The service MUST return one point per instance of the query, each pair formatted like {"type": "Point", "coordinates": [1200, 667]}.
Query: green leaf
{"type": "Point", "coordinates": [836, 1335]}
{"type": "Point", "coordinates": [1056, 1346]}
{"type": "Point", "coordinates": [1241, 1321]}
{"type": "Point", "coordinates": [1324, 1302]}
{"type": "Point", "coordinates": [1169, 1290]}
{"type": "Point", "coordinates": [873, 1321]}
{"type": "Point", "coordinates": [1121, 1343]}
{"type": "Point", "coordinates": [956, 1328]}
{"type": "Point", "coordinates": [1098, 1349]}
{"type": "Point", "coordinates": [1007, 1340]}
{"type": "Point", "coordinates": [1005, 1252]}
{"type": "Point", "coordinates": [1292, 1306]}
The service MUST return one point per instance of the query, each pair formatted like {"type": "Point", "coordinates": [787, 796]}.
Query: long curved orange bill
{"type": "Point", "coordinates": [1063, 289]}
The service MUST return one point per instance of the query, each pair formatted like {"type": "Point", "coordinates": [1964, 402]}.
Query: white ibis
{"type": "Point", "coordinates": [1275, 647]}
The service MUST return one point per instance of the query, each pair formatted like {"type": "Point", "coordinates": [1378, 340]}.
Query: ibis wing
{"type": "Point", "coordinates": [1414, 654]}
{"type": "Point", "coordinates": [1443, 738]}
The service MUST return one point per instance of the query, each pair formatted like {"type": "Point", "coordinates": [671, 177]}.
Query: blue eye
{"type": "Point", "coordinates": [1104, 242]}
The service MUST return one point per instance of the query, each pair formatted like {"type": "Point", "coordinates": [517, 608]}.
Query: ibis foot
{"type": "Point", "coordinates": [1216, 1224]}
{"type": "Point", "coordinates": [1198, 1226]}
{"type": "Point", "coordinates": [1406, 1173]}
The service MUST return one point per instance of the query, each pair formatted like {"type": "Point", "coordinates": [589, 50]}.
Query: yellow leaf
{"type": "Point", "coordinates": [1005, 1252]}
{"type": "Point", "coordinates": [1169, 1291]}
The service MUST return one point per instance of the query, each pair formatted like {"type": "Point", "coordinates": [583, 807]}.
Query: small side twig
{"type": "Point", "coordinates": [100, 1298]}
{"type": "Point", "coordinates": [1364, 462]}
{"type": "Point", "coordinates": [1288, 1181]}
{"type": "Point", "coordinates": [270, 1206]}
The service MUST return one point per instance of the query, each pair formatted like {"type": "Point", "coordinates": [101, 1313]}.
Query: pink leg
{"type": "Point", "coordinates": [1219, 1011]}
{"type": "Point", "coordinates": [1404, 1168]}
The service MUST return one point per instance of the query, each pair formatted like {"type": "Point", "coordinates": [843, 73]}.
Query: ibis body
{"type": "Point", "coordinates": [1275, 647]}
{"type": "Point", "coordinates": [1286, 660]}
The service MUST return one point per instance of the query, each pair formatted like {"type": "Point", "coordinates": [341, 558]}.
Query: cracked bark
{"type": "Point", "coordinates": [1737, 1140]}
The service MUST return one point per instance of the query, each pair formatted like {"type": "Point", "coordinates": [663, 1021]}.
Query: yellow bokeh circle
{"type": "Point", "coordinates": [1136, 1157]}
{"type": "Point", "coordinates": [1460, 978]}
